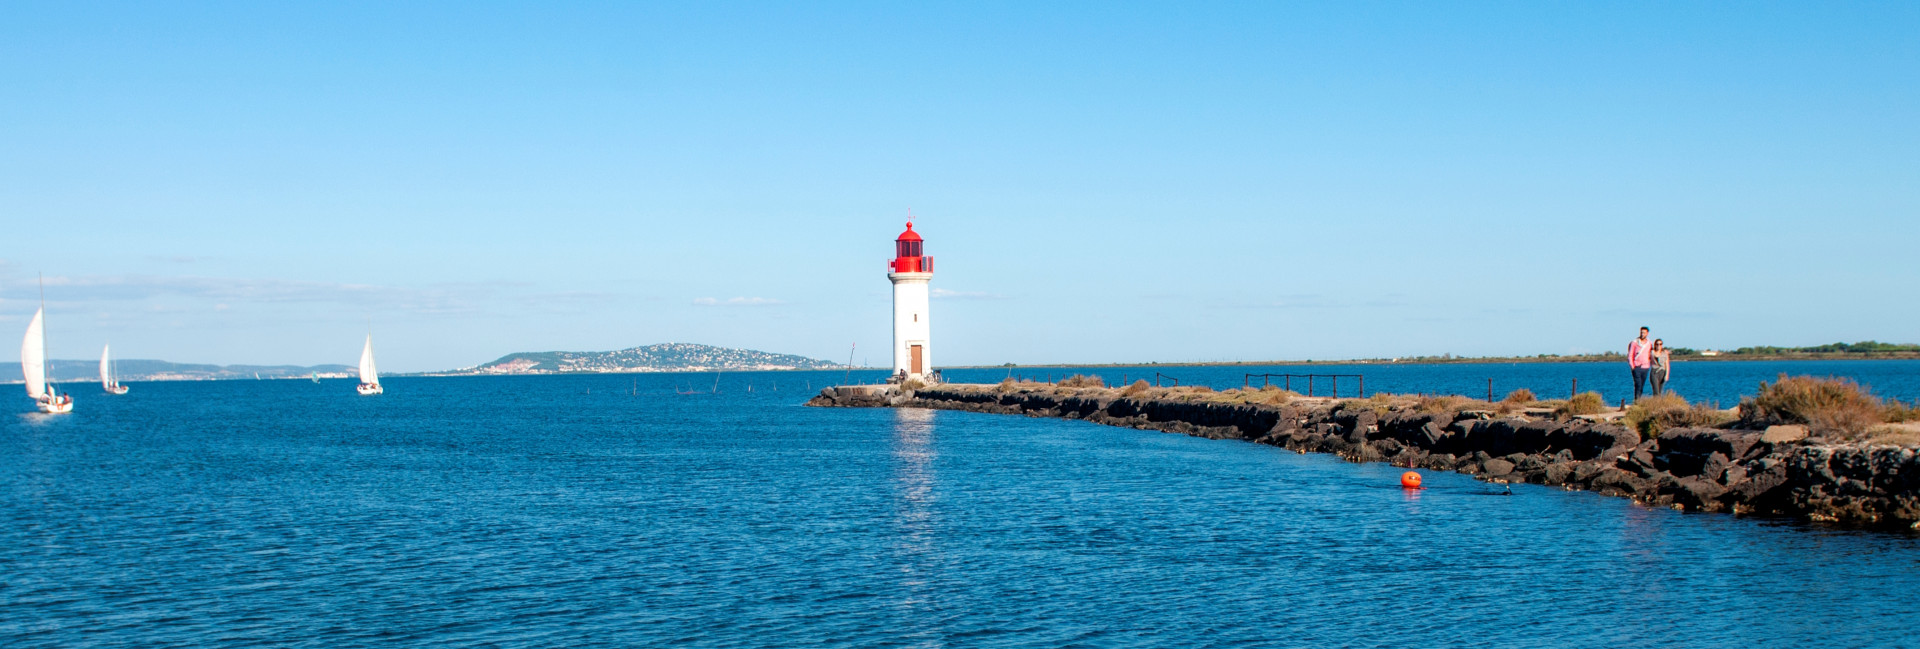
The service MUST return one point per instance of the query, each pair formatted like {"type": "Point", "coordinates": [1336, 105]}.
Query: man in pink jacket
{"type": "Point", "coordinates": [1640, 360]}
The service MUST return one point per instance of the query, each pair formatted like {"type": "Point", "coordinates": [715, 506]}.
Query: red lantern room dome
{"type": "Point", "coordinates": [908, 254]}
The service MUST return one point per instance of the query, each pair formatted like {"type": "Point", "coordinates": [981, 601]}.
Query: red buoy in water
{"type": "Point", "coordinates": [1410, 480]}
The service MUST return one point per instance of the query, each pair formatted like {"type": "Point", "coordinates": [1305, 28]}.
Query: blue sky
{"type": "Point", "coordinates": [256, 182]}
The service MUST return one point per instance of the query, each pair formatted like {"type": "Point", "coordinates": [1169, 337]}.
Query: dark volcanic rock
{"type": "Point", "coordinates": [1497, 468]}
{"type": "Point", "coordinates": [1775, 473]}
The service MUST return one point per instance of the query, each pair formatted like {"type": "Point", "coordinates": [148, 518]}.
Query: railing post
{"type": "Point", "coordinates": [1489, 389]}
{"type": "Point", "coordinates": [1363, 386]}
{"type": "Point", "coordinates": [1309, 385]}
{"type": "Point", "coordinates": [1336, 386]}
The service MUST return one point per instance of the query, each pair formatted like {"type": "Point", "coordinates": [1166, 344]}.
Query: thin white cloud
{"type": "Point", "coordinates": [736, 301]}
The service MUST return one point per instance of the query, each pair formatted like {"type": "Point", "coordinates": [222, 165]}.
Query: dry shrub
{"type": "Point", "coordinates": [1832, 407]}
{"type": "Point", "coordinates": [1201, 389]}
{"type": "Point", "coordinates": [913, 384]}
{"type": "Point", "coordinates": [1083, 381]}
{"type": "Point", "coordinates": [1585, 403]}
{"type": "Point", "coordinates": [1900, 411]}
{"type": "Point", "coordinates": [1006, 385]}
{"type": "Point", "coordinates": [1657, 413]}
{"type": "Point", "coordinates": [1138, 387]}
{"type": "Point", "coordinates": [1520, 397]}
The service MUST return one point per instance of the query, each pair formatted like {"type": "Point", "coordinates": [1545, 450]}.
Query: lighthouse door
{"type": "Point", "coordinates": [915, 349]}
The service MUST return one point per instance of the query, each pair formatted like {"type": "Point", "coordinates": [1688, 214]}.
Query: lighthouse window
{"type": "Point", "coordinates": [916, 317]}
{"type": "Point", "coordinates": [907, 248]}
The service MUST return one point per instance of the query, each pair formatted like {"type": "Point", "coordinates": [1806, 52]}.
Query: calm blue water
{"type": "Point", "coordinates": [564, 511]}
{"type": "Point", "coordinates": [1722, 382]}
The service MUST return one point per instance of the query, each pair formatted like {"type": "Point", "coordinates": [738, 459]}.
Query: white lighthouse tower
{"type": "Point", "coordinates": [911, 271]}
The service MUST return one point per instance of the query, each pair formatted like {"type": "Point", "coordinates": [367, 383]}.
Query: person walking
{"type": "Point", "coordinates": [1640, 361]}
{"type": "Point", "coordinates": [1661, 365]}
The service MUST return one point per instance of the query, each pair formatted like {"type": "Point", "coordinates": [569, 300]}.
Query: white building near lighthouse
{"type": "Point", "coordinates": [910, 272]}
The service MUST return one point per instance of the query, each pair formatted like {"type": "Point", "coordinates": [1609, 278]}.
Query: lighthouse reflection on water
{"type": "Point", "coordinates": [915, 551]}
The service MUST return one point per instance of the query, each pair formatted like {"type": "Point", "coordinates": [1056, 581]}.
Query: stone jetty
{"type": "Point", "coordinates": [1778, 472]}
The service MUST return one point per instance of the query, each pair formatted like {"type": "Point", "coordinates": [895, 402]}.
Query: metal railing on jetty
{"type": "Point", "coordinates": [1286, 382]}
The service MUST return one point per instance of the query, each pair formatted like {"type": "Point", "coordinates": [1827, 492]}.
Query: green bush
{"type": "Point", "coordinates": [1585, 403]}
{"type": "Point", "coordinates": [1657, 413]}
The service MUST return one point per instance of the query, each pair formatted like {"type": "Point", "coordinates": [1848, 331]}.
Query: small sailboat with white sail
{"type": "Point", "coordinates": [109, 374]}
{"type": "Point", "coordinates": [33, 364]}
{"type": "Point", "coordinates": [369, 377]}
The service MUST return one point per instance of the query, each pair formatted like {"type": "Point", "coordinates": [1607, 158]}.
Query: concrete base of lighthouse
{"type": "Point", "coordinates": [912, 331]}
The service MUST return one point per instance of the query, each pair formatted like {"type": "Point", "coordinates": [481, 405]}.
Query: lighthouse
{"type": "Point", "coordinates": [911, 270]}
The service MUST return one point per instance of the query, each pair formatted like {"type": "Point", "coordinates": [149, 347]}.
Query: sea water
{"type": "Point", "coordinates": [588, 511]}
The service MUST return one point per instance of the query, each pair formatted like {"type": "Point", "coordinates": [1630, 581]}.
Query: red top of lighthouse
{"type": "Point", "coordinates": [907, 254]}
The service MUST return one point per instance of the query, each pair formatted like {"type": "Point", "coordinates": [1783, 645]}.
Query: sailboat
{"type": "Point", "coordinates": [109, 379]}
{"type": "Point", "coordinates": [369, 378]}
{"type": "Point", "coordinates": [33, 364]}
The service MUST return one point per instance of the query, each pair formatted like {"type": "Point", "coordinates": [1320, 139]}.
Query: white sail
{"type": "Point", "coordinates": [367, 373]}
{"type": "Point", "coordinates": [106, 368]}
{"type": "Point", "coordinates": [33, 356]}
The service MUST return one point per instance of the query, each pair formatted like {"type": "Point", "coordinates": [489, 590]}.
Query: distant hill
{"type": "Point", "coordinates": [666, 357]}
{"type": "Point", "coordinates": [134, 369]}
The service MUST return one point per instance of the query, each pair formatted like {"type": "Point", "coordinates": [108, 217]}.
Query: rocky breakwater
{"type": "Point", "coordinates": [1779, 471]}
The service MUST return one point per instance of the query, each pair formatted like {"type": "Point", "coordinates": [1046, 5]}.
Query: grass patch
{"type": "Point", "coordinates": [1010, 385]}
{"type": "Point", "coordinates": [1829, 407]}
{"type": "Point", "coordinates": [1902, 434]}
{"type": "Point", "coordinates": [1444, 403]}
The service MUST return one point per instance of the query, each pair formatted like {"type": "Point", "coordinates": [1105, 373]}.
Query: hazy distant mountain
{"type": "Point", "coordinates": [666, 357]}
{"type": "Point", "coordinates": [134, 369]}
